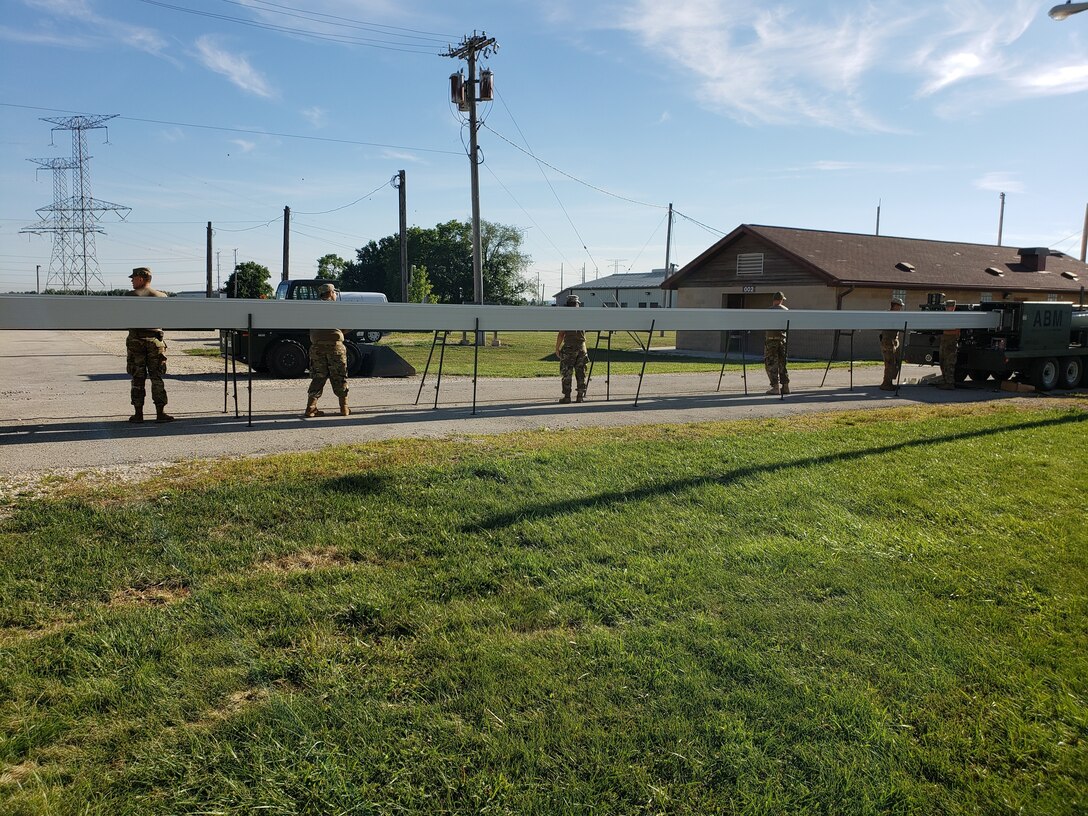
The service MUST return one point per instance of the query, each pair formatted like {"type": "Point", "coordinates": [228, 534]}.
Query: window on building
{"type": "Point", "coordinates": [654, 305]}
{"type": "Point", "coordinates": [642, 304]}
{"type": "Point", "coordinates": [900, 293]}
{"type": "Point", "coordinates": [986, 297]}
{"type": "Point", "coordinates": [1052, 297]}
{"type": "Point", "coordinates": [750, 263]}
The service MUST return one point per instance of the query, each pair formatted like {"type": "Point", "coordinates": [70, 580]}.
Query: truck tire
{"type": "Point", "coordinates": [355, 359]}
{"type": "Point", "coordinates": [978, 375]}
{"type": "Point", "coordinates": [287, 359]}
{"type": "Point", "coordinates": [1070, 372]}
{"type": "Point", "coordinates": [1044, 373]}
{"type": "Point", "coordinates": [370, 336]}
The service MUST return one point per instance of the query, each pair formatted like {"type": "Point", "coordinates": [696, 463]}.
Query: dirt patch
{"type": "Point", "coordinates": [157, 595]}
{"type": "Point", "coordinates": [305, 561]}
{"type": "Point", "coordinates": [17, 774]}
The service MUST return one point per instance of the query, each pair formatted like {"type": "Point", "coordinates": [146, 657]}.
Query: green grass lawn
{"type": "Point", "coordinates": [880, 612]}
{"type": "Point", "coordinates": [532, 354]}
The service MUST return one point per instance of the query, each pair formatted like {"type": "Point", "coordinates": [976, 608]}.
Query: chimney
{"type": "Point", "coordinates": [1033, 259]}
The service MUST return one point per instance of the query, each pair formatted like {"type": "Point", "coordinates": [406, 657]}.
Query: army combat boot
{"type": "Point", "coordinates": [565, 399]}
{"type": "Point", "coordinates": [344, 410]}
{"type": "Point", "coordinates": [161, 415]}
{"type": "Point", "coordinates": [311, 408]}
{"type": "Point", "coordinates": [581, 397]}
{"type": "Point", "coordinates": [137, 414]}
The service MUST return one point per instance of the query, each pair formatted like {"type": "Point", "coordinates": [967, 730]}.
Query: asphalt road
{"type": "Point", "coordinates": [64, 405]}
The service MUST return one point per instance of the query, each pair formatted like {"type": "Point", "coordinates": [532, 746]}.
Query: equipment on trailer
{"type": "Point", "coordinates": [1043, 343]}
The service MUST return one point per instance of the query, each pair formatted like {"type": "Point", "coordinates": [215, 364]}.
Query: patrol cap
{"type": "Point", "coordinates": [898, 301]}
{"type": "Point", "coordinates": [949, 303]}
{"type": "Point", "coordinates": [778, 296]}
{"type": "Point", "coordinates": [141, 272]}
{"type": "Point", "coordinates": [326, 288]}
{"type": "Point", "coordinates": [573, 300]}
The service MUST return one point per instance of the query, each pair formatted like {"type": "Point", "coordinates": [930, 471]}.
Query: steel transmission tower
{"type": "Point", "coordinates": [73, 219]}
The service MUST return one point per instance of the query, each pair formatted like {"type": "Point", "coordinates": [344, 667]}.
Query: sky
{"type": "Point", "coordinates": [802, 114]}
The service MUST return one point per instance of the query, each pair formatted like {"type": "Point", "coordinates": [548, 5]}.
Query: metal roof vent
{"type": "Point", "coordinates": [993, 270]}
{"type": "Point", "coordinates": [1070, 275]}
{"type": "Point", "coordinates": [1033, 258]}
{"type": "Point", "coordinates": [903, 266]}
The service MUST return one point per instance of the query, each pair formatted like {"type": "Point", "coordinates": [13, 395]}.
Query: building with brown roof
{"type": "Point", "coordinates": [840, 270]}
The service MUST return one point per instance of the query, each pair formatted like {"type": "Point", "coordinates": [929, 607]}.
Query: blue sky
{"type": "Point", "coordinates": [789, 113]}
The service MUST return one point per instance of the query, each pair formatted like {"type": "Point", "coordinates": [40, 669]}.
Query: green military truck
{"type": "Point", "coordinates": [286, 352]}
{"type": "Point", "coordinates": [1042, 343]}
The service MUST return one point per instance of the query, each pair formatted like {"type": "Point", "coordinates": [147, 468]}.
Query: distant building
{"type": "Point", "coordinates": [840, 270]}
{"type": "Point", "coordinates": [635, 290]}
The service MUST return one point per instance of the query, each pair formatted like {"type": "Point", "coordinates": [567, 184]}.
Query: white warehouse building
{"type": "Point", "coordinates": [635, 290]}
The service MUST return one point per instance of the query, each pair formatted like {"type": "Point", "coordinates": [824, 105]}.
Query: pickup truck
{"type": "Point", "coordinates": [286, 352]}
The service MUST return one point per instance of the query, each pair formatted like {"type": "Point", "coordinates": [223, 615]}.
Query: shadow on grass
{"type": "Point", "coordinates": [358, 484]}
{"type": "Point", "coordinates": [657, 490]}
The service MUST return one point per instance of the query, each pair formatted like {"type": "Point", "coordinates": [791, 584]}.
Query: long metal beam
{"type": "Point", "coordinates": [60, 312]}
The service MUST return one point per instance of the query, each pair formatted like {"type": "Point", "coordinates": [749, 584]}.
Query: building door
{"type": "Point", "coordinates": [736, 344]}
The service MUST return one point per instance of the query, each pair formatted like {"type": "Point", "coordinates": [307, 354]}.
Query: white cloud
{"type": "Point", "coordinates": [316, 115]}
{"type": "Point", "coordinates": [400, 155]}
{"type": "Point", "coordinates": [104, 32]}
{"type": "Point", "coordinates": [234, 67]}
{"type": "Point", "coordinates": [999, 182]}
{"type": "Point", "coordinates": [244, 144]}
{"type": "Point", "coordinates": [836, 65]}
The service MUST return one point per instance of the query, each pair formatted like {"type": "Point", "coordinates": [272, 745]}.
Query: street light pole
{"type": "Point", "coordinates": [1067, 9]}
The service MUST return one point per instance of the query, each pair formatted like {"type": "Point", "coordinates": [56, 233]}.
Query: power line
{"type": "Point", "coordinates": [432, 36]}
{"type": "Point", "coordinates": [574, 178]}
{"type": "Point", "coordinates": [250, 131]}
{"type": "Point", "coordinates": [698, 223]}
{"type": "Point", "coordinates": [301, 32]}
{"type": "Point", "coordinates": [356, 201]}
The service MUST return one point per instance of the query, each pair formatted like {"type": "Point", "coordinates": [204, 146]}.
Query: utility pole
{"type": "Point", "coordinates": [37, 279]}
{"type": "Point", "coordinates": [236, 272]}
{"type": "Point", "coordinates": [878, 216]}
{"type": "Point", "coordinates": [286, 243]}
{"type": "Point", "coordinates": [399, 182]}
{"type": "Point", "coordinates": [668, 257]}
{"type": "Point", "coordinates": [208, 263]}
{"type": "Point", "coordinates": [1084, 235]}
{"type": "Point", "coordinates": [466, 94]}
{"type": "Point", "coordinates": [1001, 220]}
{"type": "Point", "coordinates": [218, 284]}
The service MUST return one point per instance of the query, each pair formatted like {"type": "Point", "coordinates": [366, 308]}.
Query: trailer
{"type": "Point", "coordinates": [1042, 343]}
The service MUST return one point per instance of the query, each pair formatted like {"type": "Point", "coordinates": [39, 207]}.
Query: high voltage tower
{"type": "Point", "coordinates": [73, 219]}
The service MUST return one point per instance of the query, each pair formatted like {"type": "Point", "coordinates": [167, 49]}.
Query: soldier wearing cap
{"type": "Point", "coordinates": [328, 361]}
{"type": "Point", "coordinates": [948, 352]}
{"type": "Point", "coordinates": [774, 353]}
{"type": "Point", "coordinates": [889, 350]}
{"type": "Point", "coordinates": [146, 355]}
{"type": "Point", "coordinates": [570, 348]}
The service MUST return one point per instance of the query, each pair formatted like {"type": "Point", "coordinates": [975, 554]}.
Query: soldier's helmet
{"type": "Point", "coordinates": [574, 300]}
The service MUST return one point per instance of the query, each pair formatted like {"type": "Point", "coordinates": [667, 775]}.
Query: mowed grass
{"type": "Point", "coordinates": [532, 354]}
{"type": "Point", "coordinates": [846, 614]}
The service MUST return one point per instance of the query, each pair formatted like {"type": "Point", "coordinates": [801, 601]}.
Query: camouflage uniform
{"type": "Point", "coordinates": [889, 350]}
{"type": "Point", "coordinates": [948, 353]}
{"type": "Point", "coordinates": [328, 362]}
{"type": "Point", "coordinates": [573, 359]}
{"type": "Point", "coordinates": [146, 358]}
{"type": "Point", "coordinates": [774, 357]}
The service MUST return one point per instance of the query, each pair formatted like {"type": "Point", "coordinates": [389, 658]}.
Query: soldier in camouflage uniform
{"type": "Point", "coordinates": [889, 350]}
{"type": "Point", "coordinates": [948, 352]}
{"type": "Point", "coordinates": [328, 361]}
{"type": "Point", "coordinates": [570, 348]}
{"type": "Point", "coordinates": [146, 356]}
{"type": "Point", "coordinates": [774, 353]}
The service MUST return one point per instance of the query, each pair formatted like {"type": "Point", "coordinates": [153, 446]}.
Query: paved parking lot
{"type": "Point", "coordinates": [65, 402]}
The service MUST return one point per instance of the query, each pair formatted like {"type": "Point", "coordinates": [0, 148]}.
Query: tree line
{"type": "Point", "coordinates": [441, 262]}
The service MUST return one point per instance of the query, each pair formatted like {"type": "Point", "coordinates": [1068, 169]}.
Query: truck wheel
{"type": "Point", "coordinates": [1070, 372]}
{"type": "Point", "coordinates": [371, 336]}
{"type": "Point", "coordinates": [355, 359]}
{"type": "Point", "coordinates": [286, 359]}
{"type": "Point", "coordinates": [1001, 376]}
{"type": "Point", "coordinates": [1044, 373]}
{"type": "Point", "coordinates": [978, 375]}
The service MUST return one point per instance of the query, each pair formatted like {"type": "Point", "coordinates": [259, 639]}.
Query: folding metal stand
{"type": "Point", "coordinates": [249, 365]}
{"type": "Point", "coordinates": [475, 362]}
{"type": "Point", "coordinates": [645, 357]}
{"type": "Point", "coordinates": [426, 368]}
{"type": "Point", "coordinates": [835, 353]}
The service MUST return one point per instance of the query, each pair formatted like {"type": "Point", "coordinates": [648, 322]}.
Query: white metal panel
{"type": "Point", "coordinates": [58, 312]}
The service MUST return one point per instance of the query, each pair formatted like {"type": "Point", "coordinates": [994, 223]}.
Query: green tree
{"type": "Point", "coordinates": [249, 280]}
{"type": "Point", "coordinates": [420, 289]}
{"type": "Point", "coordinates": [446, 252]}
{"type": "Point", "coordinates": [330, 267]}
